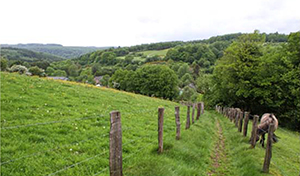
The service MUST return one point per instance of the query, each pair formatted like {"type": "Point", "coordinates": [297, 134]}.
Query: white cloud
{"type": "Point", "coordinates": [118, 22]}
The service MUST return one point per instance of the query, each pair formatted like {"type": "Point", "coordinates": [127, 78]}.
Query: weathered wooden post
{"type": "Point", "coordinates": [241, 121]}
{"type": "Point", "coordinates": [254, 131]}
{"type": "Point", "coordinates": [246, 120]}
{"type": "Point", "coordinates": [115, 144]}
{"type": "Point", "coordinates": [198, 111]}
{"type": "Point", "coordinates": [236, 120]}
{"type": "Point", "coordinates": [177, 121]}
{"type": "Point", "coordinates": [187, 125]}
{"type": "Point", "coordinates": [268, 155]}
{"type": "Point", "coordinates": [160, 129]}
{"type": "Point", "coordinates": [193, 113]}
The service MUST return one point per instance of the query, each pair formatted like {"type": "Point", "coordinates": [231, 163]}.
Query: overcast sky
{"type": "Point", "coordinates": [128, 22]}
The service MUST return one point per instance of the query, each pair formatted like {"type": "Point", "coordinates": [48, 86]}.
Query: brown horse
{"type": "Point", "coordinates": [263, 127]}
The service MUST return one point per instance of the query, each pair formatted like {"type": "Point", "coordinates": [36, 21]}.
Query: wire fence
{"type": "Point", "coordinates": [148, 125]}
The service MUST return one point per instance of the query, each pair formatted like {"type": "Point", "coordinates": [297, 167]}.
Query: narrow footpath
{"type": "Point", "coordinates": [218, 156]}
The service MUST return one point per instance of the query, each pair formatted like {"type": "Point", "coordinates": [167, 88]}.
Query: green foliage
{"type": "Point", "coordinates": [17, 54]}
{"type": "Point", "coordinates": [50, 71]}
{"type": "Point", "coordinates": [59, 73]}
{"type": "Point", "coordinates": [151, 80]}
{"type": "Point", "coordinates": [73, 70]}
{"type": "Point", "coordinates": [105, 80]}
{"type": "Point", "coordinates": [3, 63]}
{"type": "Point", "coordinates": [37, 71]}
{"type": "Point", "coordinates": [58, 50]}
{"type": "Point", "coordinates": [186, 80]}
{"type": "Point", "coordinates": [188, 94]}
{"type": "Point", "coordinates": [18, 68]}
{"type": "Point", "coordinates": [259, 78]}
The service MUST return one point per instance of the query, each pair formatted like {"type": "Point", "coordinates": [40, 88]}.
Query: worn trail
{"type": "Point", "coordinates": [218, 156]}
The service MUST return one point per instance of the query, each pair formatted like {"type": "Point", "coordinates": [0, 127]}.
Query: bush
{"type": "Point", "coordinates": [37, 71]}
{"type": "Point", "coordinates": [18, 68]}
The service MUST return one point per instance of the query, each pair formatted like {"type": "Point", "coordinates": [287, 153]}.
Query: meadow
{"type": "Point", "coordinates": [53, 127]}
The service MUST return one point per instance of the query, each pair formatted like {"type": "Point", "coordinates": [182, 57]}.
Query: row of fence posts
{"type": "Point", "coordinates": [238, 117]}
{"type": "Point", "coordinates": [115, 135]}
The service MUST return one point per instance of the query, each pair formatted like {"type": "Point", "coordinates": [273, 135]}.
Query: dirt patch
{"type": "Point", "coordinates": [219, 153]}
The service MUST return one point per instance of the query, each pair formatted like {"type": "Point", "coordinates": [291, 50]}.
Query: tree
{"type": "Point", "coordinates": [50, 71]}
{"type": "Point", "coordinates": [183, 69]}
{"type": "Point", "coordinates": [37, 71]}
{"type": "Point", "coordinates": [186, 80]}
{"type": "Point", "coordinates": [19, 68]}
{"type": "Point", "coordinates": [73, 70]}
{"type": "Point", "coordinates": [3, 64]}
{"type": "Point", "coordinates": [105, 80]}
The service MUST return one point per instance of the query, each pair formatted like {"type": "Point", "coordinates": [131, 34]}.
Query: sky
{"type": "Point", "coordinates": [133, 22]}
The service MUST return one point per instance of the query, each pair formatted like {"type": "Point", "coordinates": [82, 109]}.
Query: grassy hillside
{"type": "Point", "coordinates": [58, 50]}
{"type": "Point", "coordinates": [17, 54]}
{"type": "Point", "coordinates": [150, 53]}
{"type": "Point", "coordinates": [61, 128]}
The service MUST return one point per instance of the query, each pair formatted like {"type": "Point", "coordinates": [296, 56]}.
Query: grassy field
{"type": "Point", "coordinates": [150, 53]}
{"type": "Point", "coordinates": [61, 128]}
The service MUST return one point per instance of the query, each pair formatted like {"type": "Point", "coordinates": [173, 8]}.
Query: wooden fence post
{"type": "Point", "coordinates": [246, 124]}
{"type": "Point", "coordinates": [268, 155]}
{"type": "Point", "coordinates": [193, 113]}
{"type": "Point", "coordinates": [115, 144]}
{"type": "Point", "coordinates": [241, 121]}
{"type": "Point", "coordinates": [254, 131]}
{"type": "Point", "coordinates": [177, 121]}
{"type": "Point", "coordinates": [187, 125]}
{"type": "Point", "coordinates": [160, 129]}
{"type": "Point", "coordinates": [236, 120]}
{"type": "Point", "coordinates": [198, 111]}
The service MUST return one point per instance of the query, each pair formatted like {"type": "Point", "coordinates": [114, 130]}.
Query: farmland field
{"type": "Point", "coordinates": [53, 127]}
{"type": "Point", "coordinates": [150, 53]}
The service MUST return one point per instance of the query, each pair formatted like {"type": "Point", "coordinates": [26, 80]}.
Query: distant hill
{"type": "Point", "coordinates": [17, 54]}
{"type": "Point", "coordinates": [57, 49]}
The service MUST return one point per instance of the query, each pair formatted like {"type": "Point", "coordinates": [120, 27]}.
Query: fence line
{"type": "Point", "coordinates": [53, 149]}
{"type": "Point", "coordinates": [167, 128]}
{"type": "Point", "coordinates": [51, 122]}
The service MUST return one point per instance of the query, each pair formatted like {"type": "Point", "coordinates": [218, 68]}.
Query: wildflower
{"type": "Point", "coordinates": [71, 149]}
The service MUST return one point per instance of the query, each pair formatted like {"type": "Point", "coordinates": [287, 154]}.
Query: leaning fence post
{"type": "Point", "coordinates": [187, 125]}
{"type": "Point", "coordinates": [241, 121]}
{"type": "Point", "coordinates": [115, 144]}
{"type": "Point", "coordinates": [254, 131]}
{"type": "Point", "coordinates": [177, 121]}
{"type": "Point", "coordinates": [198, 111]}
{"type": "Point", "coordinates": [268, 155]}
{"type": "Point", "coordinates": [193, 113]}
{"type": "Point", "coordinates": [160, 129]}
{"type": "Point", "coordinates": [246, 124]}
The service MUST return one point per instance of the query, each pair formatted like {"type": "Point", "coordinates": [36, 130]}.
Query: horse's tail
{"type": "Point", "coordinates": [275, 138]}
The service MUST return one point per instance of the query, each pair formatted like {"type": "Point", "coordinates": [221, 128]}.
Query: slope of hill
{"type": "Point", "coordinates": [58, 50]}
{"type": "Point", "coordinates": [61, 128]}
{"type": "Point", "coordinates": [17, 54]}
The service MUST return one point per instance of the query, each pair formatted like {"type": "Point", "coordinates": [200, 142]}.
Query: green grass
{"type": "Point", "coordinates": [246, 161]}
{"type": "Point", "coordinates": [150, 53]}
{"type": "Point", "coordinates": [83, 143]}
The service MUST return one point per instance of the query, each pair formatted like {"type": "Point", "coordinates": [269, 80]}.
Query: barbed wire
{"type": "Point", "coordinates": [51, 122]}
{"type": "Point", "coordinates": [49, 150]}
{"type": "Point", "coordinates": [78, 163]}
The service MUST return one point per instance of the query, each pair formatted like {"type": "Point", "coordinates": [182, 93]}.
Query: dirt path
{"type": "Point", "coordinates": [219, 155]}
